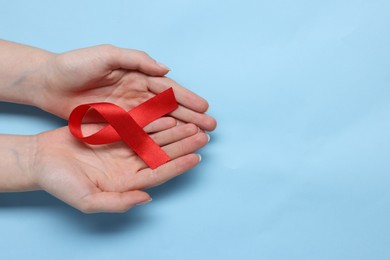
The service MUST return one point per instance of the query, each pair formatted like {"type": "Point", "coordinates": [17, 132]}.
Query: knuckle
{"type": "Point", "coordinates": [108, 50]}
{"type": "Point", "coordinates": [107, 47]}
{"type": "Point", "coordinates": [171, 121]}
{"type": "Point", "coordinates": [155, 176]}
{"type": "Point", "coordinates": [191, 129]}
{"type": "Point", "coordinates": [178, 168]}
{"type": "Point", "coordinates": [156, 137]}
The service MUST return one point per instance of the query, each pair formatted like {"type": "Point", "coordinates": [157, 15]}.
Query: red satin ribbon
{"type": "Point", "coordinates": [128, 126]}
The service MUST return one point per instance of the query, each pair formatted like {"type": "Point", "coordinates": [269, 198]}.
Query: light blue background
{"type": "Point", "coordinates": [299, 166]}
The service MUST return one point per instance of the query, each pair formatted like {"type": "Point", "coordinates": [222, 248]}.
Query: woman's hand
{"type": "Point", "coordinates": [109, 74]}
{"type": "Point", "coordinates": [58, 83]}
{"type": "Point", "coordinates": [109, 178]}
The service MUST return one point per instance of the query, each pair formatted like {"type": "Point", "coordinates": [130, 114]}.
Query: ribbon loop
{"type": "Point", "coordinates": [128, 126]}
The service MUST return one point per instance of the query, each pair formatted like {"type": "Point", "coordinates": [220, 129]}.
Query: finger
{"type": "Point", "coordinates": [204, 121]}
{"type": "Point", "coordinates": [160, 124]}
{"type": "Point", "coordinates": [182, 147]}
{"type": "Point", "coordinates": [179, 122]}
{"type": "Point", "coordinates": [184, 96]}
{"type": "Point", "coordinates": [113, 201]}
{"type": "Point", "coordinates": [135, 60]}
{"type": "Point", "coordinates": [149, 178]}
{"type": "Point", "coordinates": [187, 145]}
{"type": "Point", "coordinates": [175, 134]}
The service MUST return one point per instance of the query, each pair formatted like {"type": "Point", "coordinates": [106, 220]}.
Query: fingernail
{"type": "Point", "coordinates": [208, 137]}
{"type": "Point", "coordinates": [163, 66]}
{"type": "Point", "coordinates": [200, 157]}
{"type": "Point", "coordinates": [144, 202]}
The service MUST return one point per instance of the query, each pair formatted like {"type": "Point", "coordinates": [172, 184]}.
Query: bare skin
{"type": "Point", "coordinates": [58, 83]}
{"type": "Point", "coordinates": [105, 178]}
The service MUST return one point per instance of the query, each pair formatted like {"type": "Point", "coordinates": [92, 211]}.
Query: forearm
{"type": "Point", "coordinates": [22, 72]}
{"type": "Point", "coordinates": [16, 163]}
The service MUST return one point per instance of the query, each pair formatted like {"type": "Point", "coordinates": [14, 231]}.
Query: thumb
{"type": "Point", "coordinates": [121, 58]}
{"type": "Point", "coordinates": [113, 201]}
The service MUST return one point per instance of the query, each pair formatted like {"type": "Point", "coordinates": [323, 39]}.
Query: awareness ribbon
{"type": "Point", "coordinates": [128, 126]}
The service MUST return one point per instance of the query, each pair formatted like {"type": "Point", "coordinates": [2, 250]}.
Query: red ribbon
{"type": "Point", "coordinates": [128, 126]}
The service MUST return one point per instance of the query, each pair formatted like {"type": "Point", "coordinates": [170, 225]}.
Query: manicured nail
{"type": "Point", "coordinates": [163, 66]}
{"type": "Point", "coordinates": [144, 202]}
{"type": "Point", "coordinates": [200, 157]}
{"type": "Point", "coordinates": [208, 137]}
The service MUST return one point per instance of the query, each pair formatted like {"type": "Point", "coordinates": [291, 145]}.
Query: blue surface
{"type": "Point", "coordinates": [299, 165]}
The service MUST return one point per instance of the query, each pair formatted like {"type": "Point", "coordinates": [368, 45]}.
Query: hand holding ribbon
{"type": "Point", "coordinates": [127, 126]}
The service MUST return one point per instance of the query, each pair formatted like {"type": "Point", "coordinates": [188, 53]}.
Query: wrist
{"type": "Point", "coordinates": [34, 81]}
{"type": "Point", "coordinates": [23, 72]}
{"type": "Point", "coordinates": [32, 170]}
{"type": "Point", "coordinates": [17, 156]}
